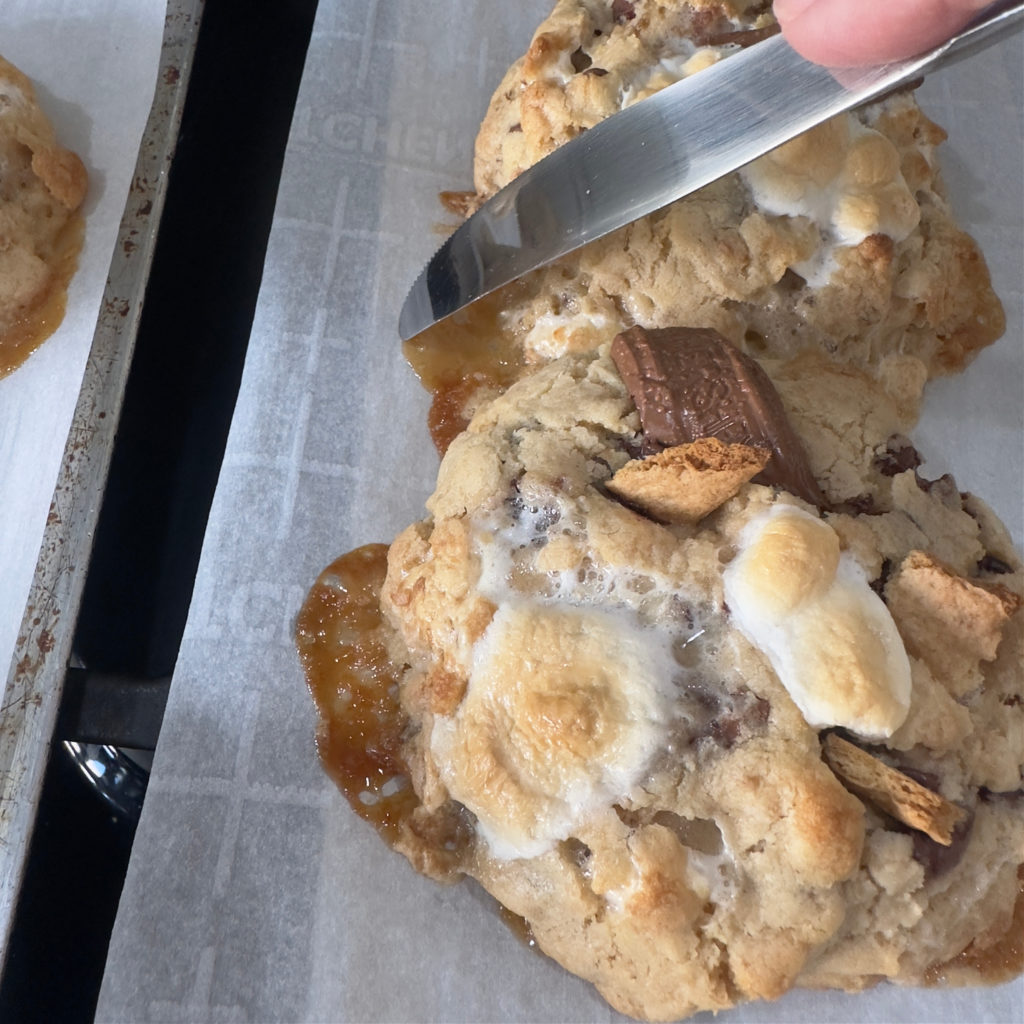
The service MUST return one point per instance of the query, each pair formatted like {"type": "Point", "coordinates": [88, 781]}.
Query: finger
{"type": "Point", "coordinates": [848, 33]}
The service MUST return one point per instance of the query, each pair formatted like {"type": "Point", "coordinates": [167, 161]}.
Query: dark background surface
{"type": "Point", "coordinates": [178, 404]}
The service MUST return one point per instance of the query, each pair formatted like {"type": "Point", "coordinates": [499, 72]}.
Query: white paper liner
{"type": "Point", "coordinates": [93, 64]}
{"type": "Point", "coordinates": [254, 893]}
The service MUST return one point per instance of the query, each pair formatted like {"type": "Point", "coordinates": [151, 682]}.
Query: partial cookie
{"type": "Point", "coordinates": [842, 242]}
{"type": "Point", "coordinates": [41, 231]}
{"type": "Point", "coordinates": [601, 719]}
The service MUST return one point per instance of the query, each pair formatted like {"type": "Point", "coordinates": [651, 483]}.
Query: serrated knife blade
{"type": "Point", "coordinates": [655, 152]}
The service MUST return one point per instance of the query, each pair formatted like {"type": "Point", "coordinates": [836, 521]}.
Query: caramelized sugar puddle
{"type": "Point", "coordinates": [35, 324]}
{"type": "Point", "coordinates": [341, 639]}
{"type": "Point", "coordinates": [463, 356]}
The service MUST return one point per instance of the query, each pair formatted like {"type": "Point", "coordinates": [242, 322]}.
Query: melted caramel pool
{"type": "Point", "coordinates": [341, 639]}
{"type": "Point", "coordinates": [466, 355]}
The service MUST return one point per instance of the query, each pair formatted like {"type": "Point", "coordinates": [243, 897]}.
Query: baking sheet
{"type": "Point", "coordinates": [254, 893]}
{"type": "Point", "coordinates": [94, 66]}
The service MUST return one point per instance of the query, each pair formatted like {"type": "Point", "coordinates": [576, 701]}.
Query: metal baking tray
{"type": "Point", "coordinates": [36, 680]}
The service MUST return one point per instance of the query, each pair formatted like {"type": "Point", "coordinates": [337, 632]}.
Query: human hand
{"type": "Point", "coordinates": [849, 33]}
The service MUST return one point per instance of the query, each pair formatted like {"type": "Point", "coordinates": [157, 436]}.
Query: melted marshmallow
{"type": "Point", "coordinates": [829, 637]}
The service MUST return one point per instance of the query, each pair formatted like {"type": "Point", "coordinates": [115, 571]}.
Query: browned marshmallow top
{"type": "Point", "coordinates": [690, 383]}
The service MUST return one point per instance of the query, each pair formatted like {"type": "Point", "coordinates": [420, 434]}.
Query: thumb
{"type": "Point", "coordinates": [847, 33]}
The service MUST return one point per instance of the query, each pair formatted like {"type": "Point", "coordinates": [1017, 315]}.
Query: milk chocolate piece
{"type": "Point", "coordinates": [690, 383]}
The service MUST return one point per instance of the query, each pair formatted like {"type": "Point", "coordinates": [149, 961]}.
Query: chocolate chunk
{"type": "Point", "coordinates": [690, 383]}
{"type": "Point", "coordinates": [936, 858]}
{"type": "Point", "coordinates": [899, 456]}
{"type": "Point", "coordinates": [623, 11]}
{"type": "Point", "coordinates": [989, 563]}
{"type": "Point", "coordinates": [713, 713]}
{"type": "Point", "coordinates": [859, 505]}
{"type": "Point", "coordinates": [987, 795]}
{"type": "Point", "coordinates": [944, 488]}
{"type": "Point", "coordinates": [749, 716]}
{"type": "Point", "coordinates": [737, 37]}
{"type": "Point", "coordinates": [580, 60]}
{"type": "Point", "coordinates": [878, 584]}
{"type": "Point", "coordinates": [930, 780]}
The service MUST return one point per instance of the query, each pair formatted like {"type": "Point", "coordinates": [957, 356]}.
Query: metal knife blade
{"type": "Point", "coordinates": [655, 152]}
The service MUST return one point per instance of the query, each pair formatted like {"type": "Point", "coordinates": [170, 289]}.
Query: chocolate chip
{"type": "Point", "coordinates": [635, 448]}
{"type": "Point", "coordinates": [791, 281]}
{"type": "Point", "coordinates": [860, 505]}
{"type": "Point", "coordinates": [878, 584]}
{"type": "Point", "coordinates": [991, 564]}
{"type": "Point", "coordinates": [899, 456]}
{"type": "Point", "coordinates": [988, 795]}
{"type": "Point", "coordinates": [578, 853]}
{"type": "Point", "coordinates": [944, 488]}
{"type": "Point", "coordinates": [937, 859]}
{"type": "Point", "coordinates": [741, 37]}
{"type": "Point", "coordinates": [924, 778]}
{"type": "Point", "coordinates": [623, 11]}
{"type": "Point", "coordinates": [580, 60]}
{"type": "Point", "coordinates": [741, 714]}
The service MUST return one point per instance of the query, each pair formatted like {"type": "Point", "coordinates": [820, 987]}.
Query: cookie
{"type": "Point", "coordinates": [41, 231]}
{"type": "Point", "coordinates": [626, 729]}
{"type": "Point", "coordinates": [841, 242]}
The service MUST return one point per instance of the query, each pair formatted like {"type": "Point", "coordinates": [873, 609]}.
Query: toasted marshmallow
{"type": "Point", "coordinates": [843, 176]}
{"type": "Point", "coordinates": [554, 334]}
{"type": "Point", "coordinates": [672, 68]}
{"type": "Point", "coordinates": [808, 608]}
{"type": "Point", "coordinates": [564, 710]}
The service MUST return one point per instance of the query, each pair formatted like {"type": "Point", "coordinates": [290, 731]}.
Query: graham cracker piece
{"type": "Point", "coordinates": [950, 622]}
{"type": "Point", "coordinates": [687, 481]}
{"type": "Point", "coordinates": [892, 791]}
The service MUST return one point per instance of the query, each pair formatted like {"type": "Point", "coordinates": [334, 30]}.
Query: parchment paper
{"type": "Point", "coordinates": [254, 894]}
{"type": "Point", "coordinates": [94, 65]}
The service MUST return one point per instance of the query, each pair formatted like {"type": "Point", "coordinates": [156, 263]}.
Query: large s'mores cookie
{"type": "Point", "coordinates": [721, 699]}
{"type": "Point", "coordinates": [840, 242]}
{"type": "Point", "coordinates": [42, 185]}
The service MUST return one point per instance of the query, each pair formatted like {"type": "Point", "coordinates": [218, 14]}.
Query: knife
{"type": "Point", "coordinates": [657, 151]}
